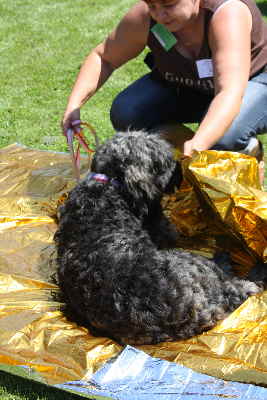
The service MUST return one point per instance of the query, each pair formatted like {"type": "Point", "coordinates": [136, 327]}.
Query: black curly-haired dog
{"type": "Point", "coordinates": [114, 274]}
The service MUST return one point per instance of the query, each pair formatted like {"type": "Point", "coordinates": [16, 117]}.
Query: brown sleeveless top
{"type": "Point", "coordinates": [173, 67]}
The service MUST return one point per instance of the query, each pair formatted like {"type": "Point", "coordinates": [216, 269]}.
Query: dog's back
{"type": "Point", "coordinates": [112, 275]}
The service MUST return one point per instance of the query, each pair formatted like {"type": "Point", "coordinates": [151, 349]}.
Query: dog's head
{"type": "Point", "coordinates": [142, 163]}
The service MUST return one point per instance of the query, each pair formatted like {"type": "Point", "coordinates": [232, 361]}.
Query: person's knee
{"type": "Point", "coordinates": [235, 139]}
{"type": "Point", "coordinates": [123, 115]}
{"type": "Point", "coordinates": [227, 144]}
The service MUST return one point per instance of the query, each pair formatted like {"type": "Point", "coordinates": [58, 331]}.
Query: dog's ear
{"type": "Point", "coordinates": [140, 183]}
{"type": "Point", "coordinates": [146, 186]}
{"type": "Point", "coordinates": [100, 162]}
{"type": "Point", "coordinates": [105, 162]}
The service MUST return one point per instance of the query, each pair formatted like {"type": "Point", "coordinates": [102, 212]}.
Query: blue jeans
{"type": "Point", "coordinates": [148, 103]}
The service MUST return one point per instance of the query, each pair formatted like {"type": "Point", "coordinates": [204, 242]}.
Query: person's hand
{"type": "Point", "coordinates": [71, 120]}
{"type": "Point", "coordinates": [193, 145]}
{"type": "Point", "coordinates": [189, 148]}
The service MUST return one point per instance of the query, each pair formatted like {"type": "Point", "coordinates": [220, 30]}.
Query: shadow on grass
{"type": "Point", "coordinates": [30, 390]}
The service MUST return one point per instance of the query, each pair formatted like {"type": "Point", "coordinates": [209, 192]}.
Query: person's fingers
{"type": "Point", "coordinates": [184, 157]}
{"type": "Point", "coordinates": [71, 120]}
{"type": "Point", "coordinates": [76, 125]}
{"type": "Point", "coordinates": [187, 149]}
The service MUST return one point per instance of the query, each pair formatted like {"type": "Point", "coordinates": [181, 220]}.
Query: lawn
{"type": "Point", "coordinates": [43, 43]}
{"type": "Point", "coordinates": [16, 388]}
{"type": "Point", "coordinates": [42, 47]}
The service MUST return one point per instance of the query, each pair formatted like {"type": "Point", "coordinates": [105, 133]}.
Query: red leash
{"type": "Point", "coordinates": [82, 142]}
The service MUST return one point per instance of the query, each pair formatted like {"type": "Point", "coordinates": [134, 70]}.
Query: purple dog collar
{"type": "Point", "coordinates": [98, 177]}
{"type": "Point", "coordinates": [102, 178]}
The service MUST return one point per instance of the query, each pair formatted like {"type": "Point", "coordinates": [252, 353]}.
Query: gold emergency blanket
{"type": "Point", "coordinates": [222, 207]}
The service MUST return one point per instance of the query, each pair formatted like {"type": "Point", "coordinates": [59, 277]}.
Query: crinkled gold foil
{"type": "Point", "coordinates": [234, 350]}
{"type": "Point", "coordinates": [32, 182]}
{"type": "Point", "coordinates": [220, 205]}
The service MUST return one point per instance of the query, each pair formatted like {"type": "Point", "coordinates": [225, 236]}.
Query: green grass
{"type": "Point", "coordinates": [16, 388]}
{"type": "Point", "coordinates": [42, 45]}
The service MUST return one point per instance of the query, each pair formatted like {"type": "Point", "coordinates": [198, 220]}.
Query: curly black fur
{"type": "Point", "coordinates": [113, 274]}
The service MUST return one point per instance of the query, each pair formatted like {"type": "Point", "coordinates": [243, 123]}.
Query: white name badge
{"type": "Point", "coordinates": [205, 68]}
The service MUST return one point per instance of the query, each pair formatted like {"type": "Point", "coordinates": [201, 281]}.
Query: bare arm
{"type": "Point", "coordinates": [229, 38]}
{"type": "Point", "coordinates": [123, 44]}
